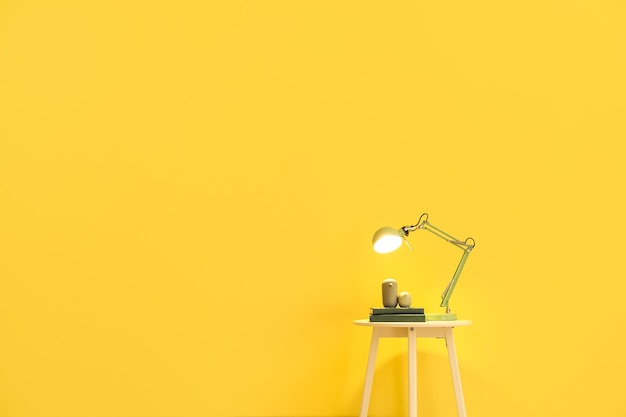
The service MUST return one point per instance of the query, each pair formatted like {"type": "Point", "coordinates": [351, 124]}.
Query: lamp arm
{"type": "Point", "coordinates": [467, 245]}
{"type": "Point", "coordinates": [447, 293]}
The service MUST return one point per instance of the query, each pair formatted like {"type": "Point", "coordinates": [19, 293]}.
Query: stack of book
{"type": "Point", "coordinates": [397, 314]}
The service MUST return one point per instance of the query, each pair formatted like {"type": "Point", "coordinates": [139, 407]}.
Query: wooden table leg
{"type": "Point", "coordinates": [412, 372]}
{"type": "Point", "coordinates": [456, 377]}
{"type": "Point", "coordinates": [369, 375]}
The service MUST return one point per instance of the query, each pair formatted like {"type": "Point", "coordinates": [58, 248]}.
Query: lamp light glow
{"type": "Point", "coordinates": [387, 239]}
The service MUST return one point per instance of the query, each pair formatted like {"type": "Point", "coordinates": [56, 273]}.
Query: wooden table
{"type": "Point", "coordinates": [413, 330]}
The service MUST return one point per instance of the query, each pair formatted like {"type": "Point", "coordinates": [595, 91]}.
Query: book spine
{"type": "Point", "coordinates": [398, 317]}
{"type": "Point", "coordinates": [403, 310]}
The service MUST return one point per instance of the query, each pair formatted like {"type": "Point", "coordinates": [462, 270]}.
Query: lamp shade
{"type": "Point", "coordinates": [387, 239]}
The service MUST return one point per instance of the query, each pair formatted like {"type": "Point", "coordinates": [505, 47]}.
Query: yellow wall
{"type": "Point", "coordinates": [188, 192]}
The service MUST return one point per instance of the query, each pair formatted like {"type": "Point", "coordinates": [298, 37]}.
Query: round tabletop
{"type": "Point", "coordinates": [450, 323]}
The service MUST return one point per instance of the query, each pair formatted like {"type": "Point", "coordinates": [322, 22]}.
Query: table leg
{"type": "Point", "coordinates": [412, 372]}
{"type": "Point", "coordinates": [369, 375]}
{"type": "Point", "coordinates": [456, 377]}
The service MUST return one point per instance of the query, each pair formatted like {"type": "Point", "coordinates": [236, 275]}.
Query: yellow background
{"type": "Point", "coordinates": [188, 192]}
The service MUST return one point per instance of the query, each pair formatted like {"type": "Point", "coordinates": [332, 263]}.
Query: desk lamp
{"type": "Point", "coordinates": [388, 239]}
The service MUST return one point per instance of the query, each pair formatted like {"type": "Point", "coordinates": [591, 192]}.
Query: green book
{"type": "Point", "coordinates": [397, 317]}
{"type": "Point", "coordinates": [397, 310]}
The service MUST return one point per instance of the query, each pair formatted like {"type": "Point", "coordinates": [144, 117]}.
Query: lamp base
{"type": "Point", "coordinates": [440, 317]}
